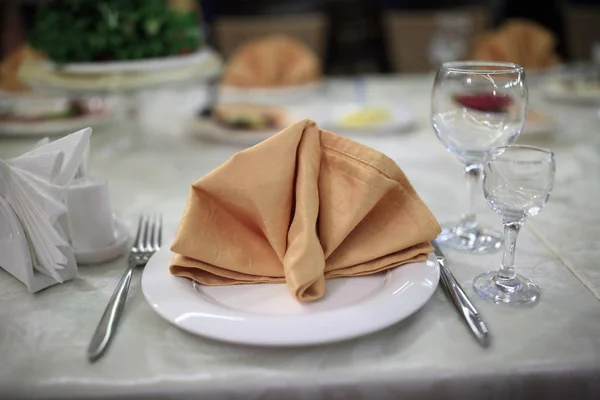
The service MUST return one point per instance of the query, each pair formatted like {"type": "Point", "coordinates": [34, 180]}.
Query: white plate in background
{"type": "Point", "coordinates": [132, 66]}
{"type": "Point", "coordinates": [101, 111]}
{"type": "Point", "coordinates": [206, 128]}
{"type": "Point", "coordinates": [401, 120]}
{"type": "Point", "coordinates": [555, 90]}
{"type": "Point", "coordinates": [57, 127]}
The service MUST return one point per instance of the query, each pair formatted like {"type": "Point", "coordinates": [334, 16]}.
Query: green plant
{"type": "Point", "coordinates": [102, 30]}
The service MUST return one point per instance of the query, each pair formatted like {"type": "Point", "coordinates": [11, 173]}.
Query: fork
{"type": "Point", "coordinates": [147, 242]}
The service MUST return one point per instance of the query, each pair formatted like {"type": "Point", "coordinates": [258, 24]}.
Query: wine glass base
{"type": "Point", "coordinates": [473, 239]}
{"type": "Point", "coordinates": [519, 290]}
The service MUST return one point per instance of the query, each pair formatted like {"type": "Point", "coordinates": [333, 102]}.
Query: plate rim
{"type": "Point", "coordinates": [235, 317]}
{"type": "Point", "coordinates": [40, 77]}
{"type": "Point", "coordinates": [56, 127]}
{"type": "Point", "coordinates": [554, 91]}
{"type": "Point", "coordinates": [403, 120]}
{"type": "Point", "coordinates": [118, 248]}
{"type": "Point", "coordinates": [128, 66]}
{"type": "Point", "coordinates": [209, 129]}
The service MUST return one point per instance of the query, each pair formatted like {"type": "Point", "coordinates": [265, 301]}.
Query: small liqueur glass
{"type": "Point", "coordinates": [517, 184]}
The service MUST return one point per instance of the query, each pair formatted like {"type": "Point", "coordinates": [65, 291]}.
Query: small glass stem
{"type": "Point", "coordinates": [507, 268]}
{"type": "Point", "coordinates": [473, 175]}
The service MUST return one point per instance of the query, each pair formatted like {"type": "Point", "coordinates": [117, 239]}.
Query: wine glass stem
{"type": "Point", "coordinates": [507, 268]}
{"type": "Point", "coordinates": [473, 175]}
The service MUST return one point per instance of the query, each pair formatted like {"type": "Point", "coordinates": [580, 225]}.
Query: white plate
{"type": "Point", "coordinates": [58, 127]}
{"type": "Point", "coordinates": [267, 315]}
{"type": "Point", "coordinates": [556, 91]}
{"type": "Point", "coordinates": [324, 115]}
{"type": "Point", "coordinates": [402, 120]}
{"type": "Point", "coordinates": [118, 248]}
{"type": "Point", "coordinates": [145, 65]}
{"type": "Point", "coordinates": [207, 128]}
{"type": "Point", "coordinates": [39, 76]}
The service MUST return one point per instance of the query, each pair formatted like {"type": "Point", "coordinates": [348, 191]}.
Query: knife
{"type": "Point", "coordinates": [462, 303]}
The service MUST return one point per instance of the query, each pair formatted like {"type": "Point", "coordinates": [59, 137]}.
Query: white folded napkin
{"type": "Point", "coordinates": [34, 187]}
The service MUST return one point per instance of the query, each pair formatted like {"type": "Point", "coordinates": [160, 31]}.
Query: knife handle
{"type": "Point", "coordinates": [464, 305]}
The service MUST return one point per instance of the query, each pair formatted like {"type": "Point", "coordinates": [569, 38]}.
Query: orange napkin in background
{"type": "Point", "coordinates": [272, 61]}
{"type": "Point", "coordinates": [520, 41]}
{"type": "Point", "coordinates": [9, 68]}
{"type": "Point", "coordinates": [303, 206]}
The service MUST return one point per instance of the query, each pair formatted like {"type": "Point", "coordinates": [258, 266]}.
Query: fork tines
{"type": "Point", "coordinates": [149, 233]}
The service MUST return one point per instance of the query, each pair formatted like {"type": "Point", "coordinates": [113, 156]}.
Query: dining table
{"type": "Point", "coordinates": [549, 350]}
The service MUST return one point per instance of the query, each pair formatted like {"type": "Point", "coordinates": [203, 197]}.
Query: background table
{"type": "Point", "coordinates": [550, 350]}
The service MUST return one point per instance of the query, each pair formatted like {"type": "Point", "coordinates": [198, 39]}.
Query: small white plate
{"type": "Point", "coordinates": [145, 65]}
{"type": "Point", "coordinates": [401, 120]}
{"type": "Point", "coordinates": [267, 315]}
{"type": "Point", "coordinates": [556, 91]}
{"type": "Point", "coordinates": [207, 128]}
{"type": "Point", "coordinates": [100, 112]}
{"type": "Point", "coordinates": [58, 127]}
{"type": "Point", "coordinates": [118, 248]}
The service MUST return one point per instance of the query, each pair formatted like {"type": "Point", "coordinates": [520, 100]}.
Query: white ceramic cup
{"type": "Point", "coordinates": [90, 218]}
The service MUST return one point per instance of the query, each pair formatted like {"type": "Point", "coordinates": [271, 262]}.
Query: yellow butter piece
{"type": "Point", "coordinates": [365, 117]}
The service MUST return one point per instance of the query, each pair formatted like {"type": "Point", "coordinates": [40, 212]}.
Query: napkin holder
{"type": "Point", "coordinates": [16, 257]}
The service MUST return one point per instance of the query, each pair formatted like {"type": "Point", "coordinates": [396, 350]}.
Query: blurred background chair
{"type": "Point", "coordinates": [355, 43]}
{"type": "Point", "coordinates": [582, 28]}
{"type": "Point", "coordinates": [547, 14]}
{"type": "Point", "coordinates": [417, 39]}
{"type": "Point", "coordinates": [12, 26]}
{"type": "Point", "coordinates": [235, 21]}
{"type": "Point", "coordinates": [311, 29]}
{"type": "Point", "coordinates": [517, 40]}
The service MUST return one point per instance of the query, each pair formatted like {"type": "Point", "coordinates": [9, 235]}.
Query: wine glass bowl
{"type": "Point", "coordinates": [476, 106]}
{"type": "Point", "coordinates": [517, 184]}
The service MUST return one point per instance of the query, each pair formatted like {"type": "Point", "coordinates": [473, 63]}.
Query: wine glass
{"type": "Point", "coordinates": [476, 106]}
{"type": "Point", "coordinates": [517, 184]}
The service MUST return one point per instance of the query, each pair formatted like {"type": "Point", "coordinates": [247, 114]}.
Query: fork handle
{"type": "Point", "coordinates": [108, 323]}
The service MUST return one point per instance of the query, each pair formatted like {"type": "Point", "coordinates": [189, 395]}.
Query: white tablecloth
{"type": "Point", "coordinates": [550, 350]}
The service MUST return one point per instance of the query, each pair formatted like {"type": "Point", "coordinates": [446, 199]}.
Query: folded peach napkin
{"type": "Point", "coordinates": [303, 206]}
{"type": "Point", "coordinates": [9, 68]}
{"type": "Point", "coordinates": [272, 61]}
{"type": "Point", "coordinates": [520, 41]}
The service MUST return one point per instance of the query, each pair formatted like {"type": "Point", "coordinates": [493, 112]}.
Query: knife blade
{"type": "Point", "coordinates": [460, 300]}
